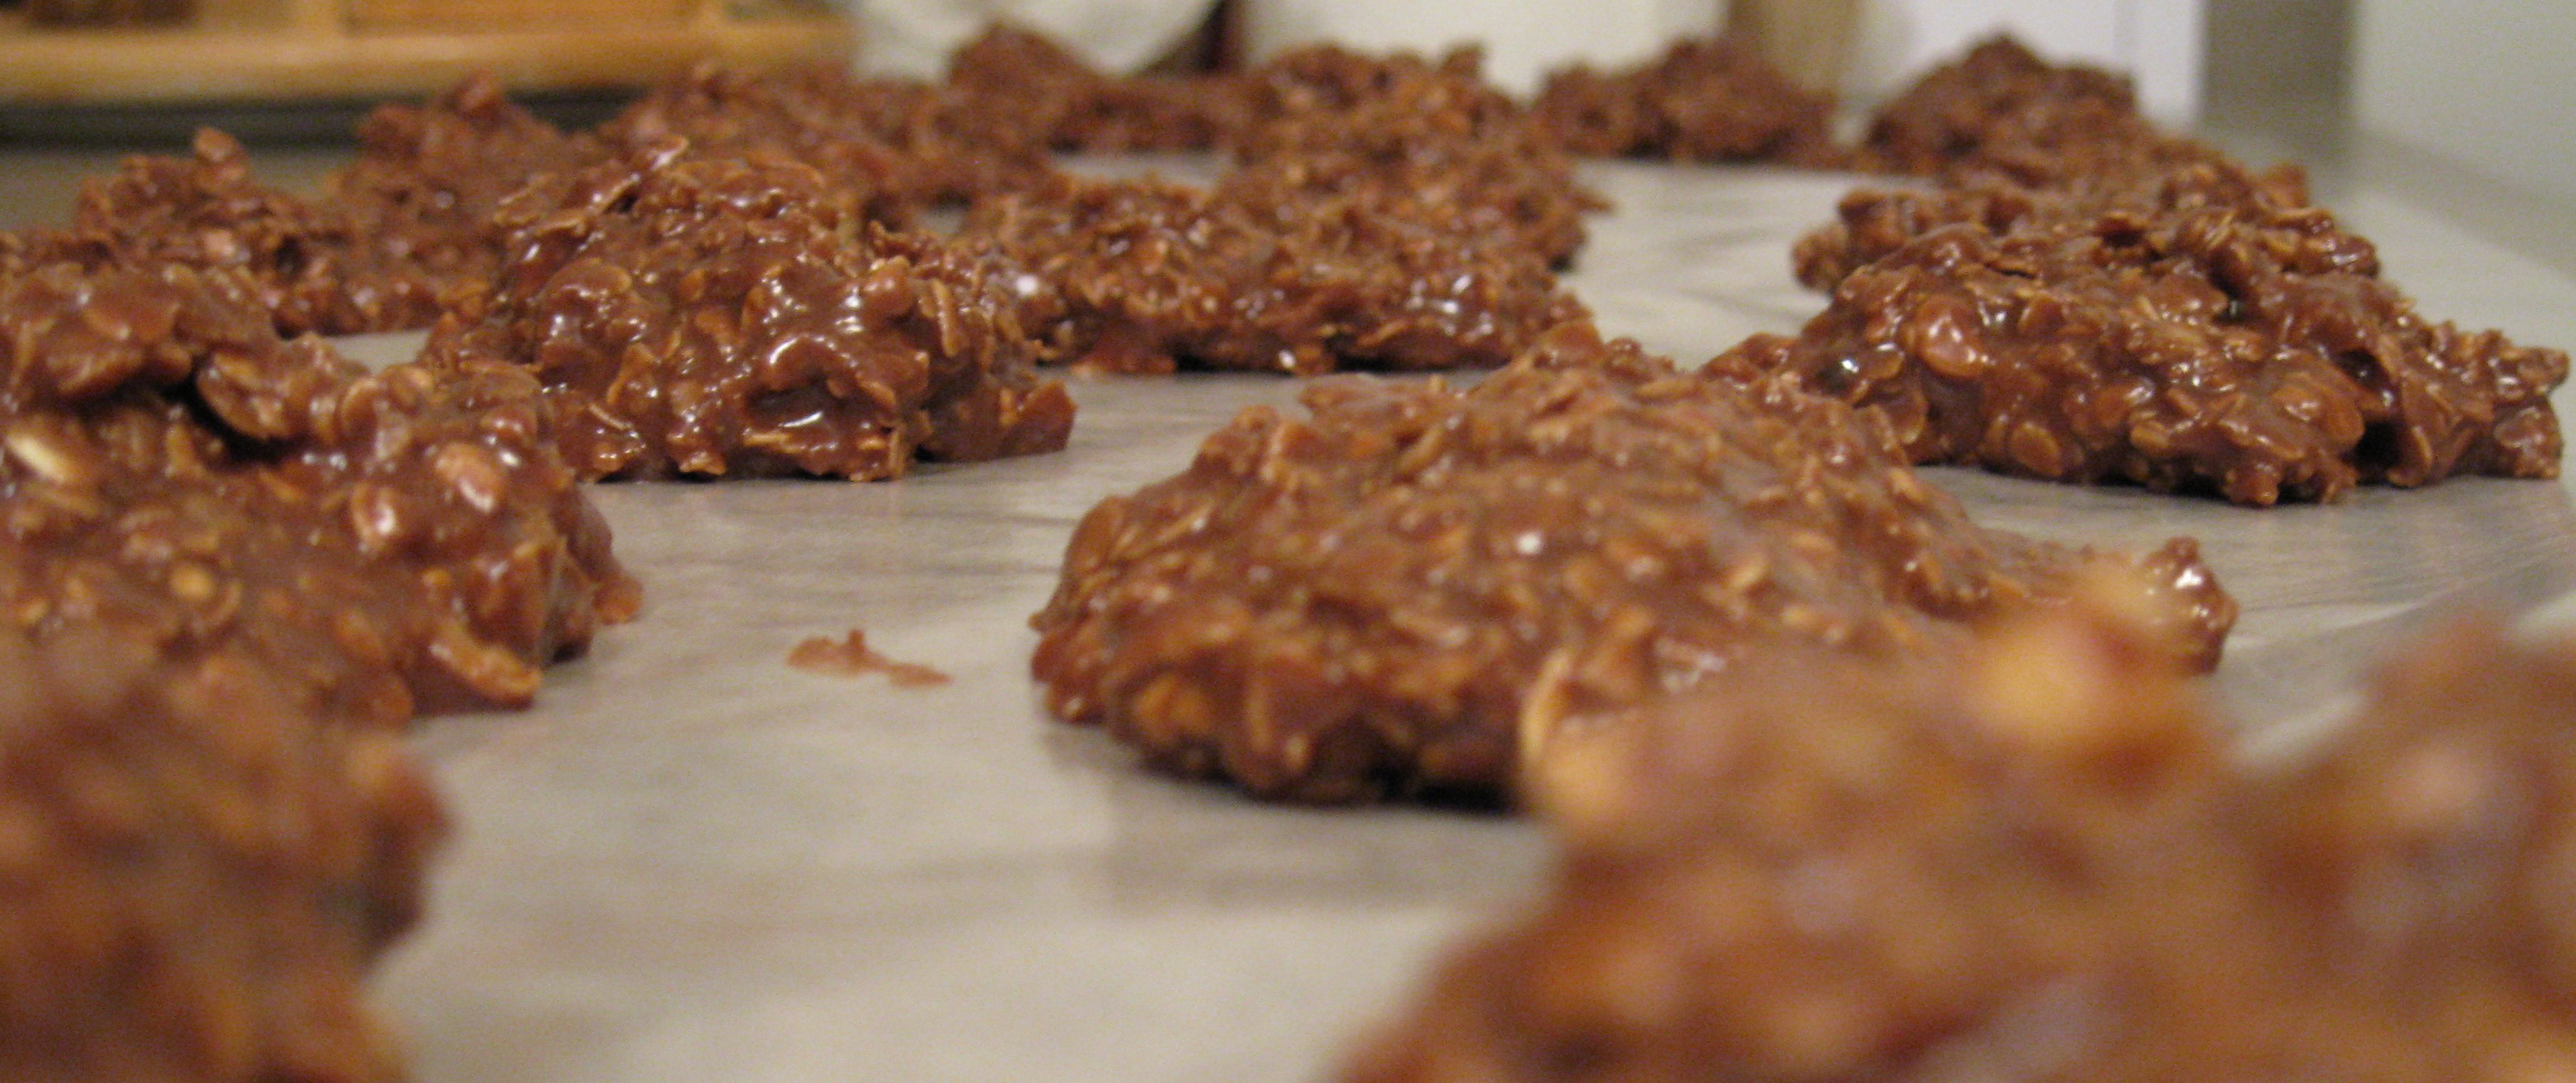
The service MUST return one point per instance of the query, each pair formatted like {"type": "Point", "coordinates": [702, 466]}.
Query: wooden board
{"type": "Point", "coordinates": [316, 49]}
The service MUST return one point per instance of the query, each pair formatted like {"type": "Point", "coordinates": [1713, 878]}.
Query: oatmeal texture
{"type": "Point", "coordinates": [315, 268]}
{"type": "Point", "coordinates": [393, 241]}
{"type": "Point", "coordinates": [385, 541]}
{"type": "Point", "coordinates": [1065, 104]}
{"type": "Point", "coordinates": [1407, 592]}
{"type": "Point", "coordinates": [707, 316]}
{"type": "Point", "coordinates": [1990, 103]}
{"type": "Point", "coordinates": [2202, 328]}
{"type": "Point", "coordinates": [904, 145]}
{"type": "Point", "coordinates": [1473, 161]}
{"type": "Point", "coordinates": [2043, 864]}
{"type": "Point", "coordinates": [1268, 271]}
{"type": "Point", "coordinates": [1703, 100]}
{"type": "Point", "coordinates": [429, 177]}
{"type": "Point", "coordinates": [1385, 213]}
{"type": "Point", "coordinates": [197, 873]}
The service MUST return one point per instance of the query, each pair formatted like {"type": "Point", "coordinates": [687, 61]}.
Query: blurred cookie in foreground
{"type": "Point", "coordinates": [2043, 864]}
{"type": "Point", "coordinates": [196, 874]}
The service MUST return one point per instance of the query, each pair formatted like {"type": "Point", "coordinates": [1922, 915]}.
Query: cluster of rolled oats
{"type": "Point", "coordinates": [2091, 300]}
{"type": "Point", "coordinates": [1702, 101]}
{"type": "Point", "coordinates": [1271, 271]}
{"type": "Point", "coordinates": [709, 316]}
{"type": "Point", "coordinates": [232, 566]}
{"type": "Point", "coordinates": [2038, 861]}
{"type": "Point", "coordinates": [197, 871]}
{"type": "Point", "coordinates": [1411, 590]}
{"type": "Point", "coordinates": [1710, 621]}
{"type": "Point", "coordinates": [169, 465]}
{"type": "Point", "coordinates": [1848, 787]}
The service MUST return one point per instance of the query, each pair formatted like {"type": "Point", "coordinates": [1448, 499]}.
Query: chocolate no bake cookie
{"type": "Point", "coordinates": [1386, 213]}
{"type": "Point", "coordinates": [2197, 328]}
{"type": "Point", "coordinates": [316, 269]}
{"type": "Point", "coordinates": [382, 541]}
{"type": "Point", "coordinates": [2042, 864]}
{"type": "Point", "coordinates": [1472, 159]}
{"type": "Point", "coordinates": [428, 178]}
{"type": "Point", "coordinates": [1996, 101]}
{"type": "Point", "coordinates": [1067, 105]}
{"type": "Point", "coordinates": [232, 566]}
{"type": "Point", "coordinates": [1271, 270]}
{"type": "Point", "coordinates": [393, 241]}
{"type": "Point", "coordinates": [1704, 100]}
{"type": "Point", "coordinates": [902, 145]}
{"type": "Point", "coordinates": [195, 872]}
{"type": "Point", "coordinates": [703, 315]}
{"type": "Point", "coordinates": [1410, 591]}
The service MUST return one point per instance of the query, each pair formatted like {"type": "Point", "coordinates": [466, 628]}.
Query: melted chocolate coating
{"type": "Point", "coordinates": [1473, 161]}
{"type": "Point", "coordinates": [1066, 105]}
{"type": "Point", "coordinates": [315, 268]}
{"type": "Point", "coordinates": [703, 315]}
{"type": "Point", "coordinates": [1275, 269]}
{"type": "Point", "coordinates": [1388, 213]}
{"type": "Point", "coordinates": [197, 872]}
{"type": "Point", "coordinates": [1704, 100]}
{"type": "Point", "coordinates": [903, 145]}
{"type": "Point", "coordinates": [1405, 592]}
{"type": "Point", "coordinates": [1990, 103]}
{"type": "Point", "coordinates": [2194, 328]}
{"type": "Point", "coordinates": [383, 541]}
{"type": "Point", "coordinates": [428, 180]}
{"type": "Point", "coordinates": [2039, 864]}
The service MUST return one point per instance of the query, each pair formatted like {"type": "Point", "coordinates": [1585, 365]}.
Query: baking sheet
{"type": "Point", "coordinates": [691, 862]}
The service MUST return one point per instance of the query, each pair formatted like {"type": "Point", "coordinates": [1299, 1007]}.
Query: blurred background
{"type": "Point", "coordinates": [2468, 100]}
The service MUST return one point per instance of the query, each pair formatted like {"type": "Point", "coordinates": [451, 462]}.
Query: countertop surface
{"type": "Point", "coordinates": [690, 861]}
